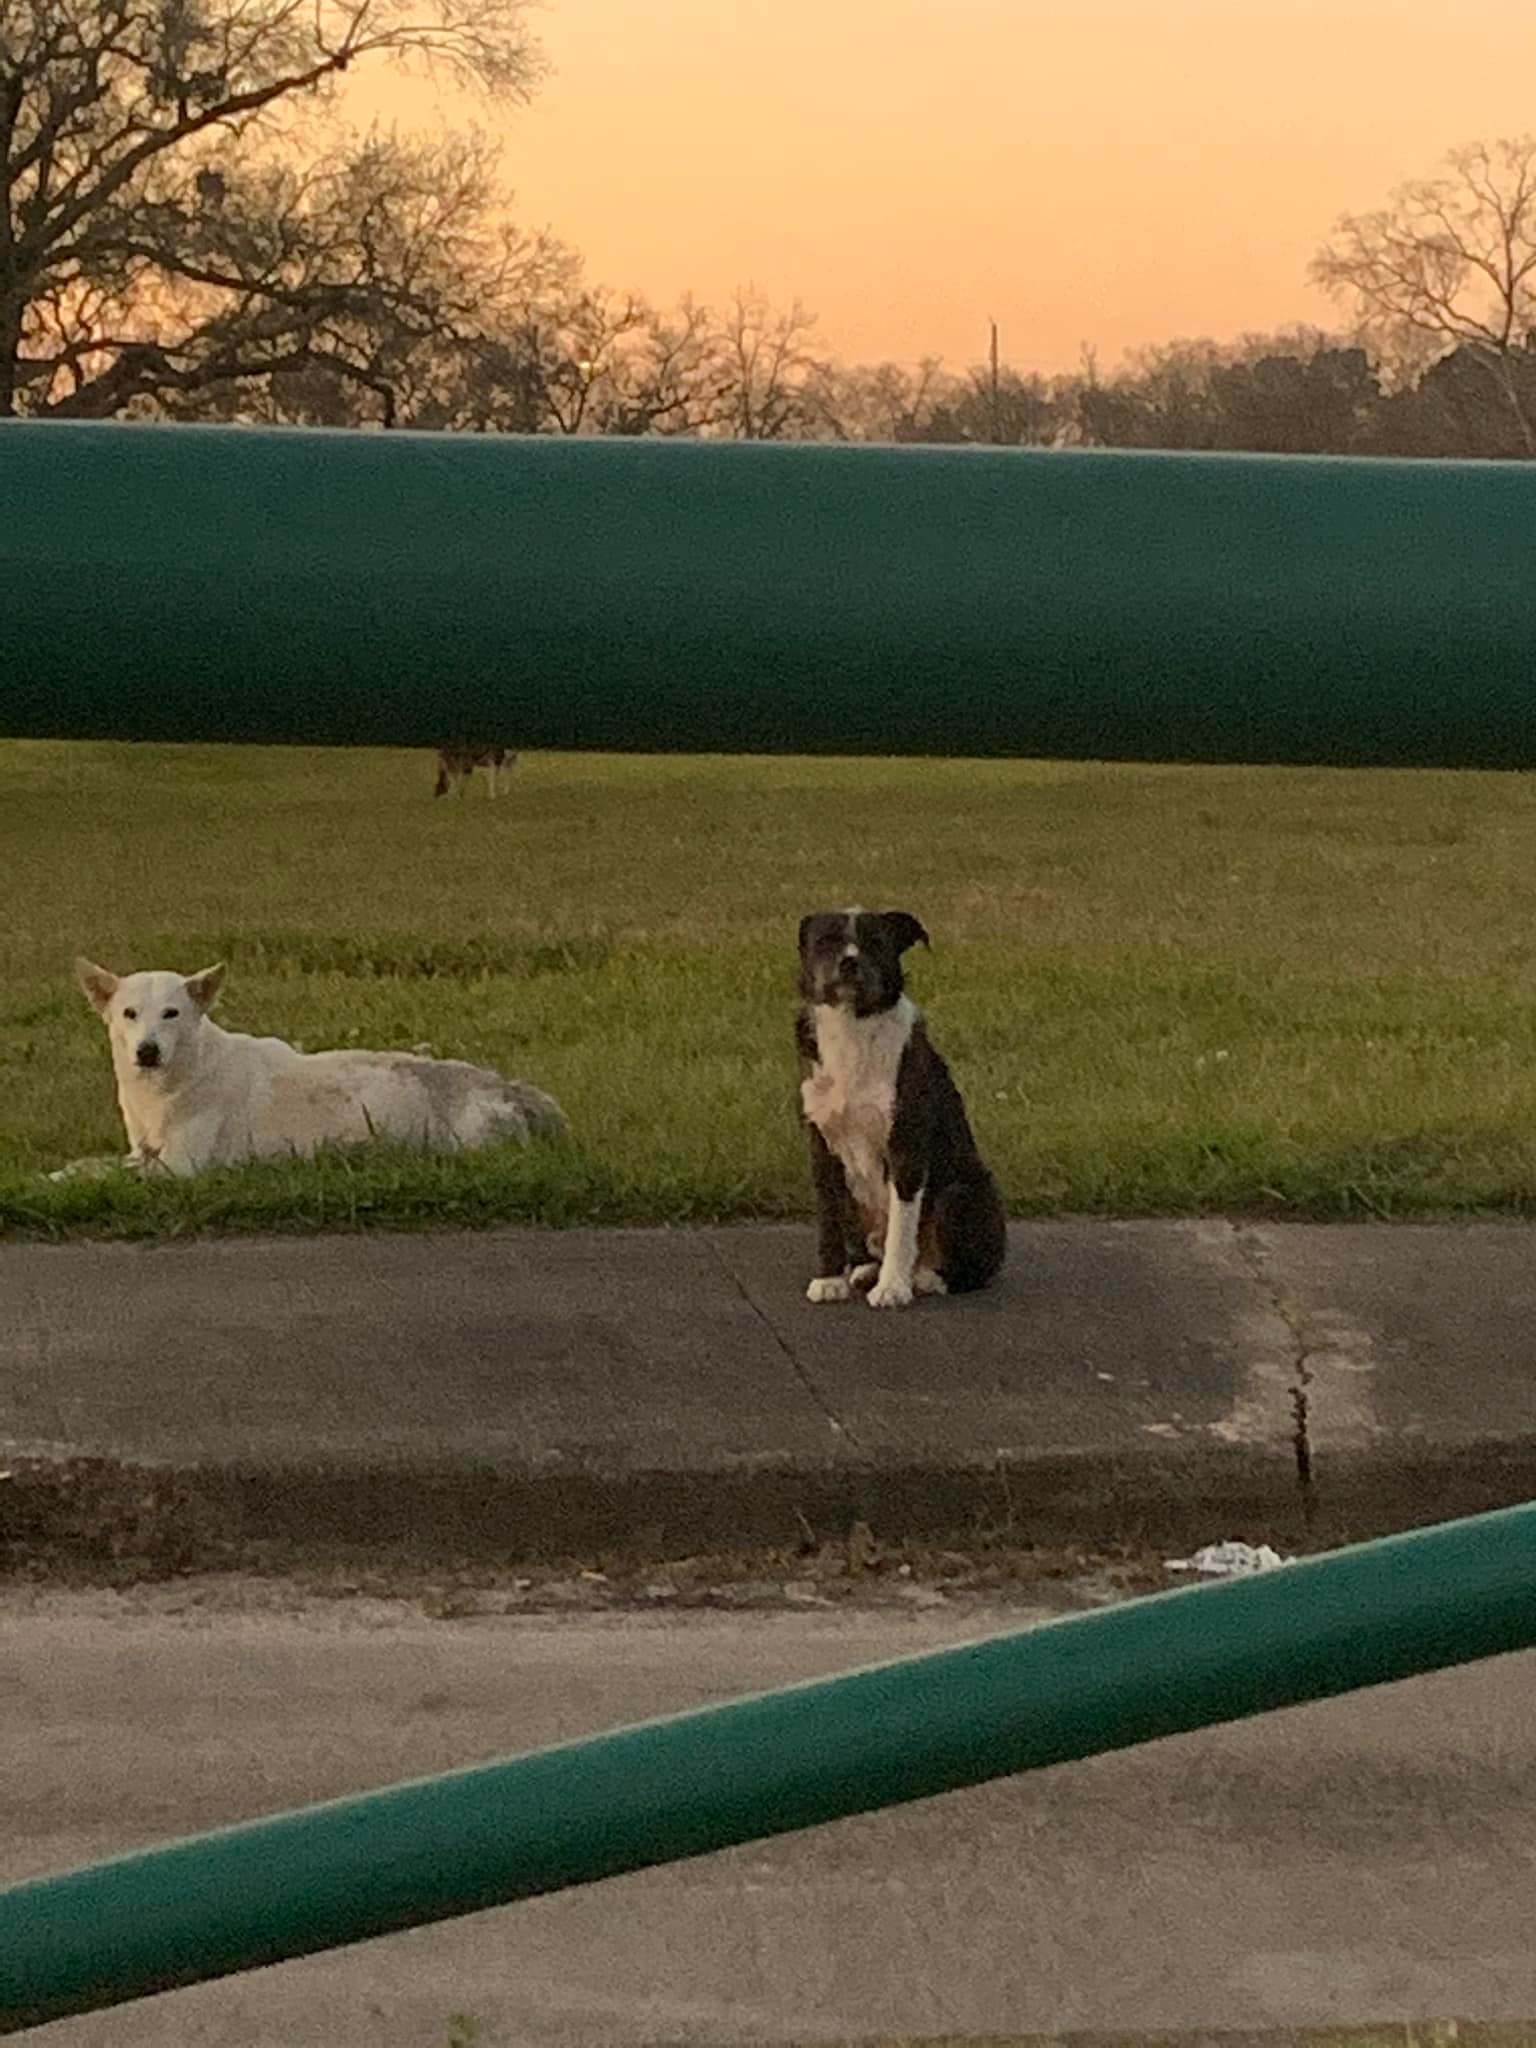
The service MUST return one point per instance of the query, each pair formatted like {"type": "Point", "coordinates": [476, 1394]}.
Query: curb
{"type": "Point", "coordinates": [99, 1515]}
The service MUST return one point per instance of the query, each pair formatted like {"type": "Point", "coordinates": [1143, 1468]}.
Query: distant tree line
{"type": "Point", "coordinates": [187, 233]}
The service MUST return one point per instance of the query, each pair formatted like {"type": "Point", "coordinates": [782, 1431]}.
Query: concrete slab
{"type": "Point", "coordinates": [1097, 1333]}
{"type": "Point", "coordinates": [563, 1392]}
{"type": "Point", "coordinates": [1412, 1332]}
{"type": "Point", "coordinates": [541, 1351]}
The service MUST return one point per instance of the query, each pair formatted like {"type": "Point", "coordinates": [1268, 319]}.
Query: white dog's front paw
{"type": "Point", "coordinates": [829, 1287]}
{"type": "Point", "coordinates": [92, 1169]}
{"type": "Point", "coordinates": [890, 1294]}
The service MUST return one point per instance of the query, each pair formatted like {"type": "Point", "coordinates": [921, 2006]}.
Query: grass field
{"type": "Point", "coordinates": [1172, 990]}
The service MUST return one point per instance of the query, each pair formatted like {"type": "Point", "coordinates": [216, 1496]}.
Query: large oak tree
{"type": "Point", "coordinates": [176, 215]}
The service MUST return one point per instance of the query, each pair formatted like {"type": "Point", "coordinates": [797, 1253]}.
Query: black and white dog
{"type": "Point", "coordinates": [896, 1167]}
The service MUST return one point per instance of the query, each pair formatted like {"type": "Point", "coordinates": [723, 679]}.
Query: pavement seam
{"type": "Point", "coordinates": [840, 1426]}
{"type": "Point", "coordinates": [1254, 1254]}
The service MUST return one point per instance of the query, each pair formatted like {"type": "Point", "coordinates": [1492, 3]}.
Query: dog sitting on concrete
{"type": "Point", "coordinates": [193, 1095]}
{"type": "Point", "coordinates": [896, 1168]}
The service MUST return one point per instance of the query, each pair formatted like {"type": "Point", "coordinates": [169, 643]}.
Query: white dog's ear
{"type": "Point", "coordinates": [96, 984]}
{"type": "Point", "coordinates": [204, 987]}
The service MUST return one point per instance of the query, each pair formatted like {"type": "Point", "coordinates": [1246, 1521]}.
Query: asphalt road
{"type": "Point", "coordinates": [1367, 1858]}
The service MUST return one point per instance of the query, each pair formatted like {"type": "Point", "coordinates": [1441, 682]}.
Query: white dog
{"type": "Point", "coordinates": [194, 1095]}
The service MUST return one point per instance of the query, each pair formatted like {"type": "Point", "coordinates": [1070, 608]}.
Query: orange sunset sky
{"type": "Point", "coordinates": [1111, 173]}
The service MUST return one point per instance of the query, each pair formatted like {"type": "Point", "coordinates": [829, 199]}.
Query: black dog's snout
{"type": "Point", "coordinates": [148, 1054]}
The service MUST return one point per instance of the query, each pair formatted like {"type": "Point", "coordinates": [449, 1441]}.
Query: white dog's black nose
{"type": "Point", "coordinates": [148, 1054]}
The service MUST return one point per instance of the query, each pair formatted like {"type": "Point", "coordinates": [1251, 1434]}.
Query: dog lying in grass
{"type": "Point", "coordinates": [193, 1095]}
{"type": "Point", "coordinates": [896, 1168]}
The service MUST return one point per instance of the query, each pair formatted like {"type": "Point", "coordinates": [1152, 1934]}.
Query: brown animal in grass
{"type": "Point", "coordinates": [456, 767]}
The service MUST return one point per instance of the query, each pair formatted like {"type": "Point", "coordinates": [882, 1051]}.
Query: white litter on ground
{"type": "Point", "coordinates": [1228, 1560]}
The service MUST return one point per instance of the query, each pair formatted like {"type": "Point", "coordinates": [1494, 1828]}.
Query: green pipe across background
{"type": "Point", "coordinates": [358, 1867]}
{"type": "Point", "coordinates": [206, 583]}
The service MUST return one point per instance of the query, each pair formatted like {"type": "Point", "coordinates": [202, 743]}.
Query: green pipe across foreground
{"type": "Point", "coordinates": [203, 583]}
{"type": "Point", "coordinates": [652, 1794]}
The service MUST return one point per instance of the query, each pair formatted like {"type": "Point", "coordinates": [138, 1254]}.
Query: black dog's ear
{"type": "Point", "coordinates": [805, 929]}
{"type": "Point", "coordinates": [906, 927]}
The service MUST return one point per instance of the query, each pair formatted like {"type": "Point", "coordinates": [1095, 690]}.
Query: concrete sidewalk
{"type": "Point", "coordinates": [566, 1392]}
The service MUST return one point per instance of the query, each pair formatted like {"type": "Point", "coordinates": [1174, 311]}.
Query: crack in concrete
{"type": "Point", "coordinates": [1252, 1251]}
{"type": "Point", "coordinates": [838, 1424]}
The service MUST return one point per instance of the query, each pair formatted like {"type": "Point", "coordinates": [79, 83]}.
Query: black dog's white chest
{"type": "Point", "coordinates": [850, 1094]}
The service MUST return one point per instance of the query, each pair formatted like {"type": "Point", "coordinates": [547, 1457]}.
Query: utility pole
{"type": "Point", "coordinates": [997, 414]}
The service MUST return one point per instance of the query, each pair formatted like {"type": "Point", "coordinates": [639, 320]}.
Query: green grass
{"type": "Point", "coordinates": [1163, 990]}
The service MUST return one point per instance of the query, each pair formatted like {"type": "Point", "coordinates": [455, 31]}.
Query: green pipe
{"type": "Point", "coordinates": [203, 583]}
{"type": "Point", "coordinates": [360, 1867]}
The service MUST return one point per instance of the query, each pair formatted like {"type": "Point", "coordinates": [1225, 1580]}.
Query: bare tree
{"type": "Point", "coordinates": [1450, 264]}
{"type": "Point", "coordinates": [611, 364]}
{"type": "Point", "coordinates": [668, 377]}
{"type": "Point", "coordinates": [1160, 399]}
{"type": "Point", "coordinates": [773, 385]}
{"type": "Point", "coordinates": [562, 357]}
{"type": "Point", "coordinates": [555, 357]}
{"type": "Point", "coordinates": [886, 402]}
{"type": "Point", "coordinates": [155, 239]}
{"type": "Point", "coordinates": [323, 295]}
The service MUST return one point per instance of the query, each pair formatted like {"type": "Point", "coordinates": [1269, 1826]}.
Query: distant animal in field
{"type": "Point", "coordinates": [905, 1205]}
{"type": "Point", "coordinates": [456, 768]}
{"type": "Point", "coordinates": [193, 1095]}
